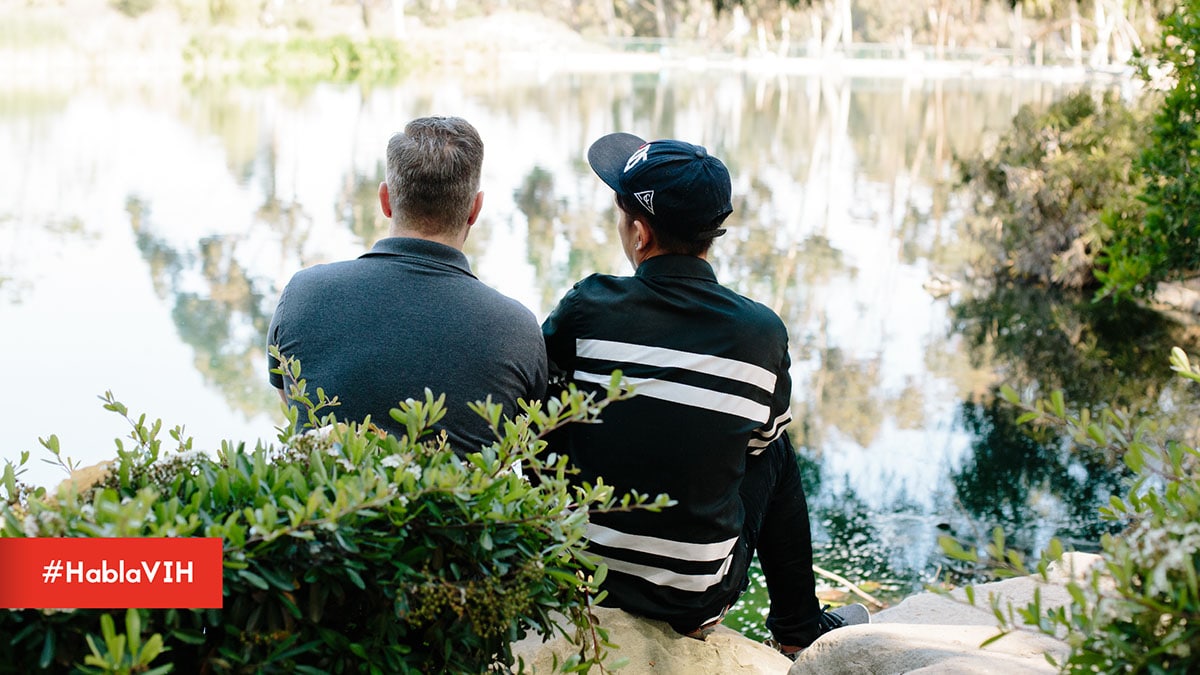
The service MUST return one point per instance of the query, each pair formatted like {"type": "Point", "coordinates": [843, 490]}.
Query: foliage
{"type": "Point", "coordinates": [133, 8]}
{"type": "Point", "coordinates": [1051, 188]}
{"type": "Point", "coordinates": [345, 548]}
{"type": "Point", "coordinates": [1165, 244]}
{"type": "Point", "coordinates": [1139, 610]}
{"type": "Point", "coordinates": [299, 58]}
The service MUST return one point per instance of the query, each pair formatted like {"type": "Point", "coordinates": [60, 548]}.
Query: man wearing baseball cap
{"type": "Point", "coordinates": [706, 424]}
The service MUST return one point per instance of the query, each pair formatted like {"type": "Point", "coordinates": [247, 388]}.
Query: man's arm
{"type": "Point", "coordinates": [559, 335]}
{"type": "Point", "coordinates": [273, 340]}
{"type": "Point", "coordinates": [781, 407]}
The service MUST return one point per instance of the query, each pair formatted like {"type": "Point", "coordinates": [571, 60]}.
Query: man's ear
{"type": "Point", "coordinates": [643, 233]}
{"type": "Point", "coordinates": [476, 207]}
{"type": "Point", "coordinates": [385, 201]}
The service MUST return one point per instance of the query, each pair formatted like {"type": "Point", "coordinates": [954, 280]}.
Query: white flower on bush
{"type": "Point", "coordinates": [391, 461]}
{"type": "Point", "coordinates": [1165, 552]}
{"type": "Point", "coordinates": [36, 526]}
{"type": "Point", "coordinates": [165, 468]}
{"type": "Point", "coordinates": [414, 470]}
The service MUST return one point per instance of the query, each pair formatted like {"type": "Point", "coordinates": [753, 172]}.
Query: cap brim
{"type": "Point", "coordinates": [608, 155]}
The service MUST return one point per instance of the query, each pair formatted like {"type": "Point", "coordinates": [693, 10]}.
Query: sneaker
{"type": "Point", "coordinates": [846, 615]}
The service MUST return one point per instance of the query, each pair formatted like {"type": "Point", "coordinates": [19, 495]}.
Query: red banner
{"type": "Point", "coordinates": [74, 573]}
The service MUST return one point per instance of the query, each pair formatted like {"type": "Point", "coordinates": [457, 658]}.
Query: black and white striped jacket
{"type": "Point", "coordinates": [710, 371]}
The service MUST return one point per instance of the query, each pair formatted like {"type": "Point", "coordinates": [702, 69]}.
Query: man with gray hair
{"type": "Point", "coordinates": [409, 314]}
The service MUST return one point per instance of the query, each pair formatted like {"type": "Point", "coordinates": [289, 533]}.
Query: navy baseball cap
{"type": "Point", "coordinates": [686, 189]}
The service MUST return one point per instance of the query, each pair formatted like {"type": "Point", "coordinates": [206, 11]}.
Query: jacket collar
{"type": "Point", "coordinates": [675, 265]}
{"type": "Point", "coordinates": [421, 250]}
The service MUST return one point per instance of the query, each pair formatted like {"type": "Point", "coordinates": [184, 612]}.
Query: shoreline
{"type": "Point", "coordinates": [158, 46]}
{"type": "Point", "coordinates": [25, 70]}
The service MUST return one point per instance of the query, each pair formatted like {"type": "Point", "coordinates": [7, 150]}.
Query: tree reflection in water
{"type": "Point", "coordinates": [218, 308]}
{"type": "Point", "coordinates": [1031, 482]}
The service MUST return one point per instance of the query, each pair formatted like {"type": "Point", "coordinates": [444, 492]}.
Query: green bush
{"type": "Point", "coordinates": [1093, 194]}
{"type": "Point", "coordinates": [345, 549]}
{"type": "Point", "coordinates": [1045, 197]}
{"type": "Point", "coordinates": [1165, 244]}
{"type": "Point", "coordinates": [1138, 611]}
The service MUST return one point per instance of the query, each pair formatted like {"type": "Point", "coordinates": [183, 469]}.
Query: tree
{"type": "Point", "coordinates": [1043, 191]}
{"type": "Point", "coordinates": [1165, 245]}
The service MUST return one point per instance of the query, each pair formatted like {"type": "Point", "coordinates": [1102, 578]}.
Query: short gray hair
{"type": "Point", "coordinates": [433, 169]}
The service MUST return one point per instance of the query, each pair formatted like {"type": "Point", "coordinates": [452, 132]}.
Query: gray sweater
{"type": "Point", "coordinates": [406, 316]}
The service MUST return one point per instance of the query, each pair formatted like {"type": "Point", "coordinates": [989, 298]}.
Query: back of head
{"type": "Point", "coordinates": [433, 170]}
{"type": "Point", "coordinates": [678, 188]}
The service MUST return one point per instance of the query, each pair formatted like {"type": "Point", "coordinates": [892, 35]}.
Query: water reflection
{"type": "Point", "coordinates": [1032, 482]}
{"type": "Point", "coordinates": [218, 309]}
{"type": "Point", "coordinates": [1032, 487]}
{"type": "Point", "coordinates": [1053, 339]}
{"type": "Point", "coordinates": [188, 206]}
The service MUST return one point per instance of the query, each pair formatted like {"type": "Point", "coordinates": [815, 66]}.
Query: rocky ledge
{"type": "Point", "coordinates": [927, 633]}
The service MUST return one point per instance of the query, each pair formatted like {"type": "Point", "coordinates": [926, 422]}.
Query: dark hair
{"type": "Point", "coordinates": [668, 241]}
{"type": "Point", "coordinates": [433, 170]}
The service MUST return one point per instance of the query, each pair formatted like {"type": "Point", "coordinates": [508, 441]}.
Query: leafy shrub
{"type": "Point", "coordinates": [345, 550]}
{"type": "Point", "coordinates": [1138, 611]}
{"type": "Point", "coordinates": [1047, 194]}
{"type": "Point", "coordinates": [1165, 244]}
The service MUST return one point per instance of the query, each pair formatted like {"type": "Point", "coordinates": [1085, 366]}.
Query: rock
{"type": "Point", "coordinates": [1176, 296]}
{"type": "Point", "coordinates": [928, 633]}
{"type": "Point", "coordinates": [927, 649]}
{"type": "Point", "coordinates": [653, 647]}
{"type": "Point", "coordinates": [82, 479]}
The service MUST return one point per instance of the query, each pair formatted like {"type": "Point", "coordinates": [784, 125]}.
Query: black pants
{"type": "Point", "coordinates": [778, 530]}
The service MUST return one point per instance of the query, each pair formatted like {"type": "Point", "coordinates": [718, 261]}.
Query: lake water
{"type": "Point", "coordinates": [147, 228]}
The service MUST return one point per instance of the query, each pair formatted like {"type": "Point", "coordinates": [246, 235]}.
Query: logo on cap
{"type": "Point", "coordinates": [639, 155]}
{"type": "Point", "coordinates": [647, 199]}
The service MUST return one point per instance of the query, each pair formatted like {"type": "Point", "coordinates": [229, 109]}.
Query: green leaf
{"type": "Point", "coordinates": [1058, 405]}
{"type": "Point", "coordinates": [151, 650]}
{"type": "Point", "coordinates": [133, 629]}
{"type": "Point", "coordinates": [190, 637]}
{"type": "Point", "coordinates": [254, 579]}
{"type": "Point", "coordinates": [993, 638]}
{"type": "Point", "coordinates": [1024, 418]}
{"type": "Point", "coordinates": [47, 656]}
